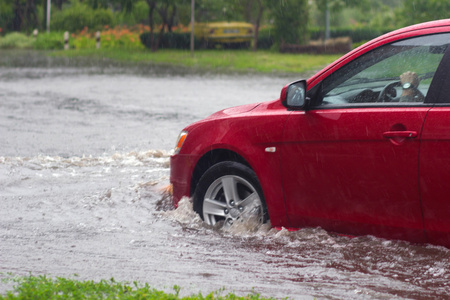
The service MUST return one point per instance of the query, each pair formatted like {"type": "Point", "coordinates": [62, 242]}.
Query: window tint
{"type": "Point", "coordinates": [398, 72]}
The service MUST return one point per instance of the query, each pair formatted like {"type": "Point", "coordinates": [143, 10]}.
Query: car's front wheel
{"type": "Point", "coordinates": [230, 192]}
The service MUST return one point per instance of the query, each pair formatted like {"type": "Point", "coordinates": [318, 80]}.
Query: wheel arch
{"type": "Point", "coordinates": [211, 158]}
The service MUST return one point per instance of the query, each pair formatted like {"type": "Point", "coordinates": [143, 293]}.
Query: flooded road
{"type": "Point", "coordinates": [83, 163]}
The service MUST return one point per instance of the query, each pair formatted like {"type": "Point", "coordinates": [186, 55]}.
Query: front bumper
{"type": "Point", "coordinates": [181, 169]}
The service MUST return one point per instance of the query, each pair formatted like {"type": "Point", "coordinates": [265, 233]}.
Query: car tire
{"type": "Point", "coordinates": [230, 192]}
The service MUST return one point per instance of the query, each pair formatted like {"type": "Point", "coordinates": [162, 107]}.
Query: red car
{"type": "Point", "coordinates": [360, 148]}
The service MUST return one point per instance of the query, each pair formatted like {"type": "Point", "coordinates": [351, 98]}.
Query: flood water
{"type": "Point", "coordinates": [84, 160]}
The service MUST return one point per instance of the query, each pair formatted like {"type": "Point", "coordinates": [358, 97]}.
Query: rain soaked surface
{"type": "Point", "coordinates": [84, 162]}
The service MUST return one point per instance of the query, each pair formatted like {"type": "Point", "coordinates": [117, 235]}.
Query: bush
{"type": "Point", "coordinates": [16, 40]}
{"type": "Point", "coordinates": [79, 15]}
{"type": "Point", "coordinates": [50, 41]}
{"type": "Point", "coordinates": [289, 21]}
{"type": "Point", "coordinates": [357, 35]}
{"type": "Point", "coordinates": [118, 37]}
{"type": "Point", "coordinates": [139, 14]}
{"type": "Point", "coordinates": [266, 39]}
{"type": "Point", "coordinates": [170, 40]}
{"type": "Point", "coordinates": [6, 16]}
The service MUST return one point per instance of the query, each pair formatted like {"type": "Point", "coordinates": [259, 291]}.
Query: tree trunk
{"type": "Point", "coordinates": [151, 5]}
{"type": "Point", "coordinates": [171, 20]}
{"type": "Point", "coordinates": [18, 16]}
{"type": "Point", "coordinates": [163, 13]}
{"type": "Point", "coordinates": [257, 24]}
{"type": "Point", "coordinates": [59, 3]}
{"type": "Point", "coordinates": [31, 14]}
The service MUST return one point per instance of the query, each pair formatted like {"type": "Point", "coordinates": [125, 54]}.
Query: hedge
{"type": "Point", "coordinates": [173, 40]}
{"type": "Point", "coordinates": [357, 35]}
{"type": "Point", "coordinates": [266, 38]}
{"type": "Point", "coordinates": [170, 40]}
{"type": "Point", "coordinates": [79, 15]}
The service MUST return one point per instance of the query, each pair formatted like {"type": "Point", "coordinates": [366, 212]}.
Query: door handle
{"type": "Point", "coordinates": [400, 134]}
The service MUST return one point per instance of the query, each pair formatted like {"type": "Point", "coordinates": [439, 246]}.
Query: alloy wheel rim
{"type": "Point", "coordinates": [229, 199]}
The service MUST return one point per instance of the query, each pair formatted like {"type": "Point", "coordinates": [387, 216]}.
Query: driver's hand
{"type": "Point", "coordinates": [410, 77]}
{"type": "Point", "coordinates": [413, 79]}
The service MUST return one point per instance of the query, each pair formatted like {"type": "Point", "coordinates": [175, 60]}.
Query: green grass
{"type": "Point", "coordinates": [42, 287]}
{"type": "Point", "coordinates": [231, 60]}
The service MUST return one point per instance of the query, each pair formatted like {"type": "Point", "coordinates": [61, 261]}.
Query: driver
{"type": "Point", "coordinates": [410, 82]}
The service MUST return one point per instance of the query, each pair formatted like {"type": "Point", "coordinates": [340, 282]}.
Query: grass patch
{"type": "Point", "coordinates": [232, 60]}
{"type": "Point", "coordinates": [42, 287]}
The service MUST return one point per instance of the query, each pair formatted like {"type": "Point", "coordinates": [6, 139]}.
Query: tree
{"type": "Point", "coordinates": [325, 6]}
{"type": "Point", "coordinates": [151, 5]}
{"type": "Point", "coordinates": [417, 11]}
{"type": "Point", "coordinates": [214, 10]}
{"type": "Point", "coordinates": [252, 11]}
{"type": "Point", "coordinates": [167, 10]}
{"type": "Point", "coordinates": [25, 15]}
{"type": "Point", "coordinates": [290, 20]}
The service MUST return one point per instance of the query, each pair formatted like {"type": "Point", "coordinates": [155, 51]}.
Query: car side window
{"type": "Point", "coordinates": [394, 73]}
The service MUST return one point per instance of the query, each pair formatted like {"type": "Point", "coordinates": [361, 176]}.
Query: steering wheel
{"type": "Point", "coordinates": [388, 93]}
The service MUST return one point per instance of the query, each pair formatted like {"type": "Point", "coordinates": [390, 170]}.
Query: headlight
{"type": "Point", "coordinates": [181, 138]}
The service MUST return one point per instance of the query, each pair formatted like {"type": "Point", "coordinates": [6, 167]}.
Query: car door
{"type": "Point", "coordinates": [350, 162]}
{"type": "Point", "coordinates": [434, 164]}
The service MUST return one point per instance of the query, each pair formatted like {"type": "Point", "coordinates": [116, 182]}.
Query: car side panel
{"type": "Point", "coordinates": [341, 173]}
{"type": "Point", "coordinates": [435, 175]}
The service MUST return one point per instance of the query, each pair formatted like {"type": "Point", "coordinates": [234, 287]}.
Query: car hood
{"type": "Point", "coordinates": [234, 110]}
{"type": "Point", "coordinates": [237, 111]}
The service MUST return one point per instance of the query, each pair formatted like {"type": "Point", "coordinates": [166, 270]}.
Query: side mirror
{"type": "Point", "coordinates": [293, 95]}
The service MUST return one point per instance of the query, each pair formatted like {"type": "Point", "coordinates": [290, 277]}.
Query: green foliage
{"type": "Point", "coordinates": [43, 287]}
{"type": "Point", "coordinates": [337, 5]}
{"type": "Point", "coordinates": [358, 34]}
{"type": "Point", "coordinates": [16, 40]}
{"type": "Point", "coordinates": [137, 15]}
{"type": "Point", "coordinates": [50, 41]}
{"type": "Point", "coordinates": [111, 38]}
{"type": "Point", "coordinates": [375, 13]}
{"type": "Point", "coordinates": [79, 15]}
{"type": "Point", "coordinates": [266, 38]}
{"type": "Point", "coordinates": [417, 11]}
{"type": "Point", "coordinates": [84, 42]}
{"type": "Point", "coordinates": [124, 41]}
{"type": "Point", "coordinates": [213, 11]}
{"type": "Point", "coordinates": [170, 40]}
{"type": "Point", "coordinates": [6, 15]}
{"type": "Point", "coordinates": [182, 40]}
{"type": "Point", "coordinates": [290, 20]}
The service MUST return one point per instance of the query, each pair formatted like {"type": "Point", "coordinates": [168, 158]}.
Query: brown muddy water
{"type": "Point", "coordinates": [84, 156]}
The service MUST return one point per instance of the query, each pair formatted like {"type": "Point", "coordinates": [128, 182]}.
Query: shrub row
{"type": "Point", "coordinates": [44, 41]}
{"type": "Point", "coordinates": [176, 40]}
{"type": "Point", "coordinates": [113, 38]}
{"type": "Point", "coordinates": [50, 41]}
{"type": "Point", "coordinates": [16, 40]}
{"type": "Point", "coordinates": [169, 40]}
{"type": "Point", "coordinates": [357, 35]}
{"type": "Point", "coordinates": [266, 38]}
{"type": "Point", "coordinates": [80, 15]}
